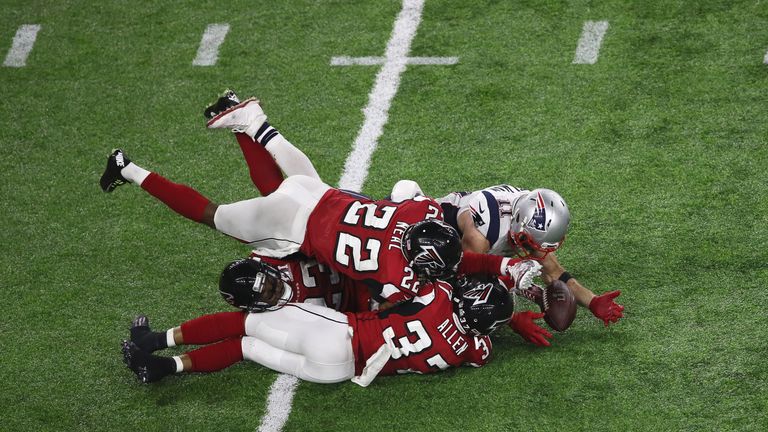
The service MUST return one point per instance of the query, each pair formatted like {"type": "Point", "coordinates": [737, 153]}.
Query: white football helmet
{"type": "Point", "coordinates": [540, 221]}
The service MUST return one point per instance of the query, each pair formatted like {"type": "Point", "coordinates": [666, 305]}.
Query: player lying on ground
{"type": "Point", "coordinates": [532, 224]}
{"type": "Point", "coordinates": [255, 285]}
{"type": "Point", "coordinates": [388, 246]}
{"type": "Point", "coordinates": [501, 220]}
{"type": "Point", "coordinates": [440, 327]}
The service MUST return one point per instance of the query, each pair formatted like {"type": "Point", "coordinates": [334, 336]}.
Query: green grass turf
{"type": "Point", "coordinates": [659, 148]}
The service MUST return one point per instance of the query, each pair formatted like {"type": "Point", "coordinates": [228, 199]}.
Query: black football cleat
{"type": "Point", "coordinates": [143, 336]}
{"type": "Point", "coordinates": [147, 367]}
{"type": "Point", "coordinates": [227, 100]}
{"type": "Point", "coordinates": [112, 177]}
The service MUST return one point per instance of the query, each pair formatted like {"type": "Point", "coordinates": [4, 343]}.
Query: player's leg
{"type": "Point", "coordinates": [309, 341]}
{"type": "Point", "coordinates": [210, 358]}
{"type": "Point", "coordinates": [275, 225]}
{"type": "Point", "coordinates": [180, 198]}
{"type": "Point", "coordinates": [224, 328]}
{"type": "Point", "coordinates": [199, 331]}
{"type": "Point", "coordinates": [264, 172]}
{"type": "Point", "coordinates": [248, 118]}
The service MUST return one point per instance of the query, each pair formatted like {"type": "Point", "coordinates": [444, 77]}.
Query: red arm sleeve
{"type": "Point", "coordinates": [475, 263]}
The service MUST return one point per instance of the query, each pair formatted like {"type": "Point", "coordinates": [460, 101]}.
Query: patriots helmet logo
{"type": "Point", "coordinates": [539, 218]}
{"type": "Point", "coordinates": [429, 258]}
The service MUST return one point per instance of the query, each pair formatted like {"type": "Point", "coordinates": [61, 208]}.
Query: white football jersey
{"type": "Point", "coordinates": [491, 210]}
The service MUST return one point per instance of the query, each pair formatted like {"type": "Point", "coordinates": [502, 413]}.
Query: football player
{"type": "Point", "coordinates": [389, 246]}
{"type": "Point", "coordinates": [501, 220]}
{"type": "Point", "coordinates": [258, 284]}
{"type": "Point", "coordinates": [440, 327]}
{"type": "Point", "coordinates": [524, 223]}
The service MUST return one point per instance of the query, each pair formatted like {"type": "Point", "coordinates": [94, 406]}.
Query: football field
{"type": "Point", "coordinates": [648, 117]}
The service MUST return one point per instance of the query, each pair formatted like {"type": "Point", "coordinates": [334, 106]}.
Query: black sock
{"type": "Point", "coordinates": [154, 367]}
{"type": "Point", "coordinates": [148, 340]}
{"type": "Point", "coordinates": [164, 365]}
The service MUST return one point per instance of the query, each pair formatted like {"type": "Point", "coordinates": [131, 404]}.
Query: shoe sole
{"type": "Point", "coordinates": [218, 117]}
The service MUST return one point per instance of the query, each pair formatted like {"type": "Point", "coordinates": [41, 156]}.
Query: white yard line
{"type": "Point", "coordinates": [380, 98]}
{"type": "Point", "coordinates": [374, 61]}
{"type": "Point", "coordinates": [590, 41]}
{"type": "Point", "coordinates": [281, 393]}
{"type": "Point", "coordinates": [279, 403]}
{"type": "Point", "coordinates": [208, 52]}
{"type": "Point", "coordinates": [765, 59]}
{"type": "Point", "coordinates": [22, 45]}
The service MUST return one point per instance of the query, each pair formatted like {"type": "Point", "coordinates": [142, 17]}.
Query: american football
{"type": "Point", "coordinates": [556, 301]}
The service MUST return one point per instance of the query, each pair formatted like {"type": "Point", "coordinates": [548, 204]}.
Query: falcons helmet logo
{"type": "Point", "coordinates": [429, 258]}
{"type": "Point", "coordinates": [481, 293]}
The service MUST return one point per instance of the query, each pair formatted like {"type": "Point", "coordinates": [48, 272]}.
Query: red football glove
{"type": "Point", "coordinates": [522, 323]}
{"type": "Point", "coordinates": [605, 308]}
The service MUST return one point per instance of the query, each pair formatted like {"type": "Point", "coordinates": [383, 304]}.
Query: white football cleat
{"type": "Point", "coordinates": [246, 117]}
{"type": "Point", "coordinates": [523, 273]}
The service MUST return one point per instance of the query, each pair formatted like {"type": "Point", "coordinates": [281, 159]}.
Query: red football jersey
{"type": "Point", "coordinates": [361, 238]}
{"type": "Point", "coordinates": [316, 283]}
{"type": "Point", "coordinates": [423, 333]}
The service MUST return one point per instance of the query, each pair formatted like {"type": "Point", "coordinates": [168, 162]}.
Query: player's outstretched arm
{"type": "Point", "coordinates": [603, 306]}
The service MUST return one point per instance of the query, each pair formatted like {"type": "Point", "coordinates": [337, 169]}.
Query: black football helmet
{"type": "Point", "coordinates": [253, 285]}
{"type": "Point", "coordinates": [481, 306]}
{"type": "Point", "coordinates": [432, 249]}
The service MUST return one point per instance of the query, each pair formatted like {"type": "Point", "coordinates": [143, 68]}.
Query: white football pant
{"type": "Point", "coordinates": [274, 225]}
{"type": "Point", "coordinates": [308, 341]}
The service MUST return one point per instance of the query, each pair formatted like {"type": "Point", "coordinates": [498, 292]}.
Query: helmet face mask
{"type": "Point", "coordinates": [254, 286]}
{"type": "Point", "coordinates": [432, 249]}
{"type": "Point", "coordinates": [540, 222]}
{"type": "Point", "coordinates": [523, 246]}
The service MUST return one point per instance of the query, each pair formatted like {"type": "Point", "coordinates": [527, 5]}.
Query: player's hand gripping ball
{"type": "Point", "coordinates": [556, 301]}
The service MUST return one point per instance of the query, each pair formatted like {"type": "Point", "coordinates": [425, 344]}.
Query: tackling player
{"type": "Point", "coordinates": [259, 284]}
{"type": "Point", "coordinates": [440, 327]}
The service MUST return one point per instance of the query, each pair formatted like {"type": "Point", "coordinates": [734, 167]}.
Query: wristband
{"type": "Point", "coordinates": [565, 277]}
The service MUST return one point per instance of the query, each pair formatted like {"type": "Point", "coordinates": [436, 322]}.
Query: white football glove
{"type": "Point", "coordinates": [523, 273]}
{"type": "Point", "coordinates": [405, 190]}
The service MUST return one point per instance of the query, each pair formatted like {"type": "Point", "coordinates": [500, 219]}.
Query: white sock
{"type": "Point", "coordinates": [291, 160]}
{"type": "Point", "coordinates": [179, 364]}
{"type": "Point", "coordinates": [169, 340]}
{"type": "Point", "coordinates": [134, 173]}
